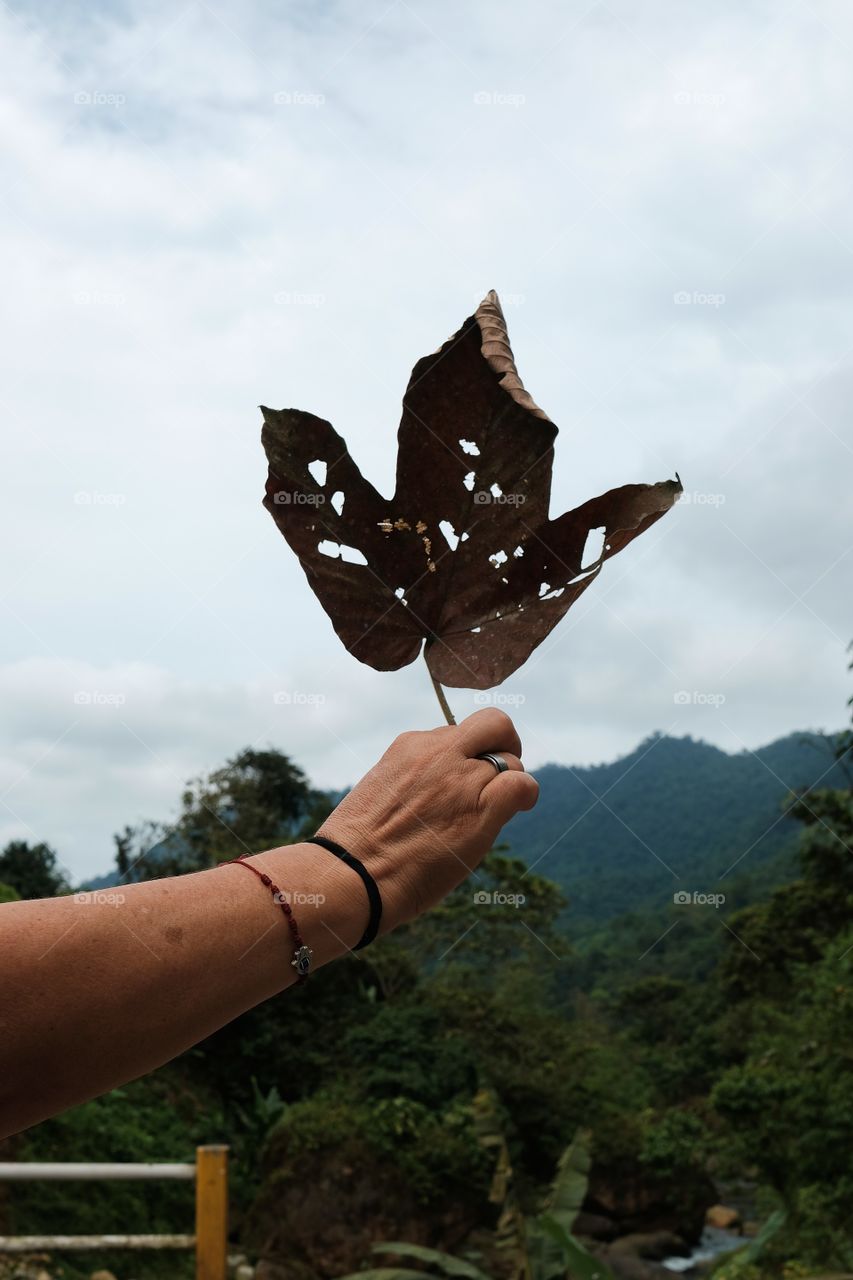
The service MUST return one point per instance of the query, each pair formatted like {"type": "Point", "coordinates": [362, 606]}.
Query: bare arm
{"type": "Point", "coordinates": [97, 992]}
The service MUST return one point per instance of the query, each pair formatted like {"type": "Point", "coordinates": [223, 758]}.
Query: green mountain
{"type": "Point", "coordinates": [674, 815]}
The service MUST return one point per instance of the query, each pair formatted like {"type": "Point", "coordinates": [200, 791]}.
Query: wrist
{"type": "Point", "coordinates": [326, 898]}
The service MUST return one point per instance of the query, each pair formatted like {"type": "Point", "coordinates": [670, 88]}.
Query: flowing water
{"type": "Point", "coordinates": [714, 1241]}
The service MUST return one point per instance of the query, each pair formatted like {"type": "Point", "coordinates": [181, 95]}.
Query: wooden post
{"type": "Point", "coordinates": [211, 1213]}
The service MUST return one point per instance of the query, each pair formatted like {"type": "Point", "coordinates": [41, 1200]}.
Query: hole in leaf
{"type": "Point", "coordinates": [338, 501]}
{"type": "Point", "coordinates": [475, 631]}
{"type": "Point", "coordinates": [496, 491]}
{"type": "Point", "coordinates": [336, 550]}
{"type": "Point", "coordinates": [555, 594]}
{"type": "Point", "coordinates": [468, 446]}
{"type": "Point", "coordinates": [519, 551]}
{"type": "Point", "coordinates": [318, 470]}
{"type": "Point", "coordinates": [469, 481]}
{"type": "Point", "coordinates": [464, 537]}
{"type": "Point", "coordinates": [593, 547]}
{"type": "Point", "coordinates": [544, 588]}
{"type": "Point", "coordinates": [450, 536]}
{"type": "Point", "coordinates": [587, 573]}
{"type": "Point", "coordinates": [499, 558]}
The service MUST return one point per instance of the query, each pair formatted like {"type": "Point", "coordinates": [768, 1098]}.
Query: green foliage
{"type": "Point", "coordinates": [435, 1154]}
{"type": "Point", "coordinates": [695, 806]}
{"type": "Point", "coordinates": [405, 1050]}
{"type": "Point", "coordinates": [159, 1118]}
{"type": "Point", "coordinates": [684, 1041]}
{"type": "Point", "coordinates": [257, 800]}
{"type": "Point", "coordinates": [8, 894]}
{"type": "Point", "coordinates": [458, 1268]}
{"type": "Point", "coordinates": [32, 870]}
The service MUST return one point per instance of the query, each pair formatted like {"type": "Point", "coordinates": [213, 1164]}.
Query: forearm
{"type": "Point", "coordinates": [96, 992]}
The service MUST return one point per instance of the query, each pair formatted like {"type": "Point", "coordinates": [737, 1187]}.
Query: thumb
{"type": "Point", "coordinates": [509, 793]}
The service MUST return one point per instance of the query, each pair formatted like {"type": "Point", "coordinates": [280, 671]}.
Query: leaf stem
{"type": "Point", "coordinates": [439, 693]}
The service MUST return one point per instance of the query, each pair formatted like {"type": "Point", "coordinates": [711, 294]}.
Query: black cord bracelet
{"type": "Point", "coordinates": [370, 885]}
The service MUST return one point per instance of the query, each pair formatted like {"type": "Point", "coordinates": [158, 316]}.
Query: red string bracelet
{"type": "Point", "coordinates": [302, 954]}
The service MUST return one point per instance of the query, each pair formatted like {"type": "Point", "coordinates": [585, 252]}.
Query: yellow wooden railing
{"type": "Point", "coordinates": [210, 1239]}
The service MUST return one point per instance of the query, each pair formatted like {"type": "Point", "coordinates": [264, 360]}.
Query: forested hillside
{"type": "Point", "coordinates": [675, 814]}
{"type": "Point", "coordinates": [704, 1048]}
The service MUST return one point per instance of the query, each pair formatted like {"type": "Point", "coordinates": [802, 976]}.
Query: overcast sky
{"type": "Point", "coordinates": [206, 207]}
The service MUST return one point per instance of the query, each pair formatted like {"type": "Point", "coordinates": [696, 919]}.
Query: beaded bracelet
{"type": "Point", "coordinates": [302, 954]}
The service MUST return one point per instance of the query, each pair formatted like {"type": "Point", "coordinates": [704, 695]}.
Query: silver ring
{"type": "Point", "coordinates": [493, 758]}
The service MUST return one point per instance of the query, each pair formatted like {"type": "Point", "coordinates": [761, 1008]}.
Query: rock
{"type": "Point", "coordinates": [650, 1245]}
{"type": "Point", "coordinates": [627, 1266]}
{"type": "Point", "coordinates": [244, 1272]}
{"type": "Point", "coordinates": [268, 1270]}
{"type": "Point", "coordinates": [595, 1225]}
{"type": "Point", "coordinates": [719, 1215]}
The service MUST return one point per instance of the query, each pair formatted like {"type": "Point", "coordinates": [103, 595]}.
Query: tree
{"type": "Point", "coordinates": [256, 800]}
{"type": "Point", "coordinates": [32, 870]}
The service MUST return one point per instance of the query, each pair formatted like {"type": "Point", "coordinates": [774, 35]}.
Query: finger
{"type": "Point", "coordinates": [489, 730]}
{"type": "Point", "coordinates": [508, 794]}
{"type": "Point", "coordinates": [513, 763]}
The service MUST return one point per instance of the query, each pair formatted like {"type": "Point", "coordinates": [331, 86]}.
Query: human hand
{"type": "Point", "coordinates": [426, 815]}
